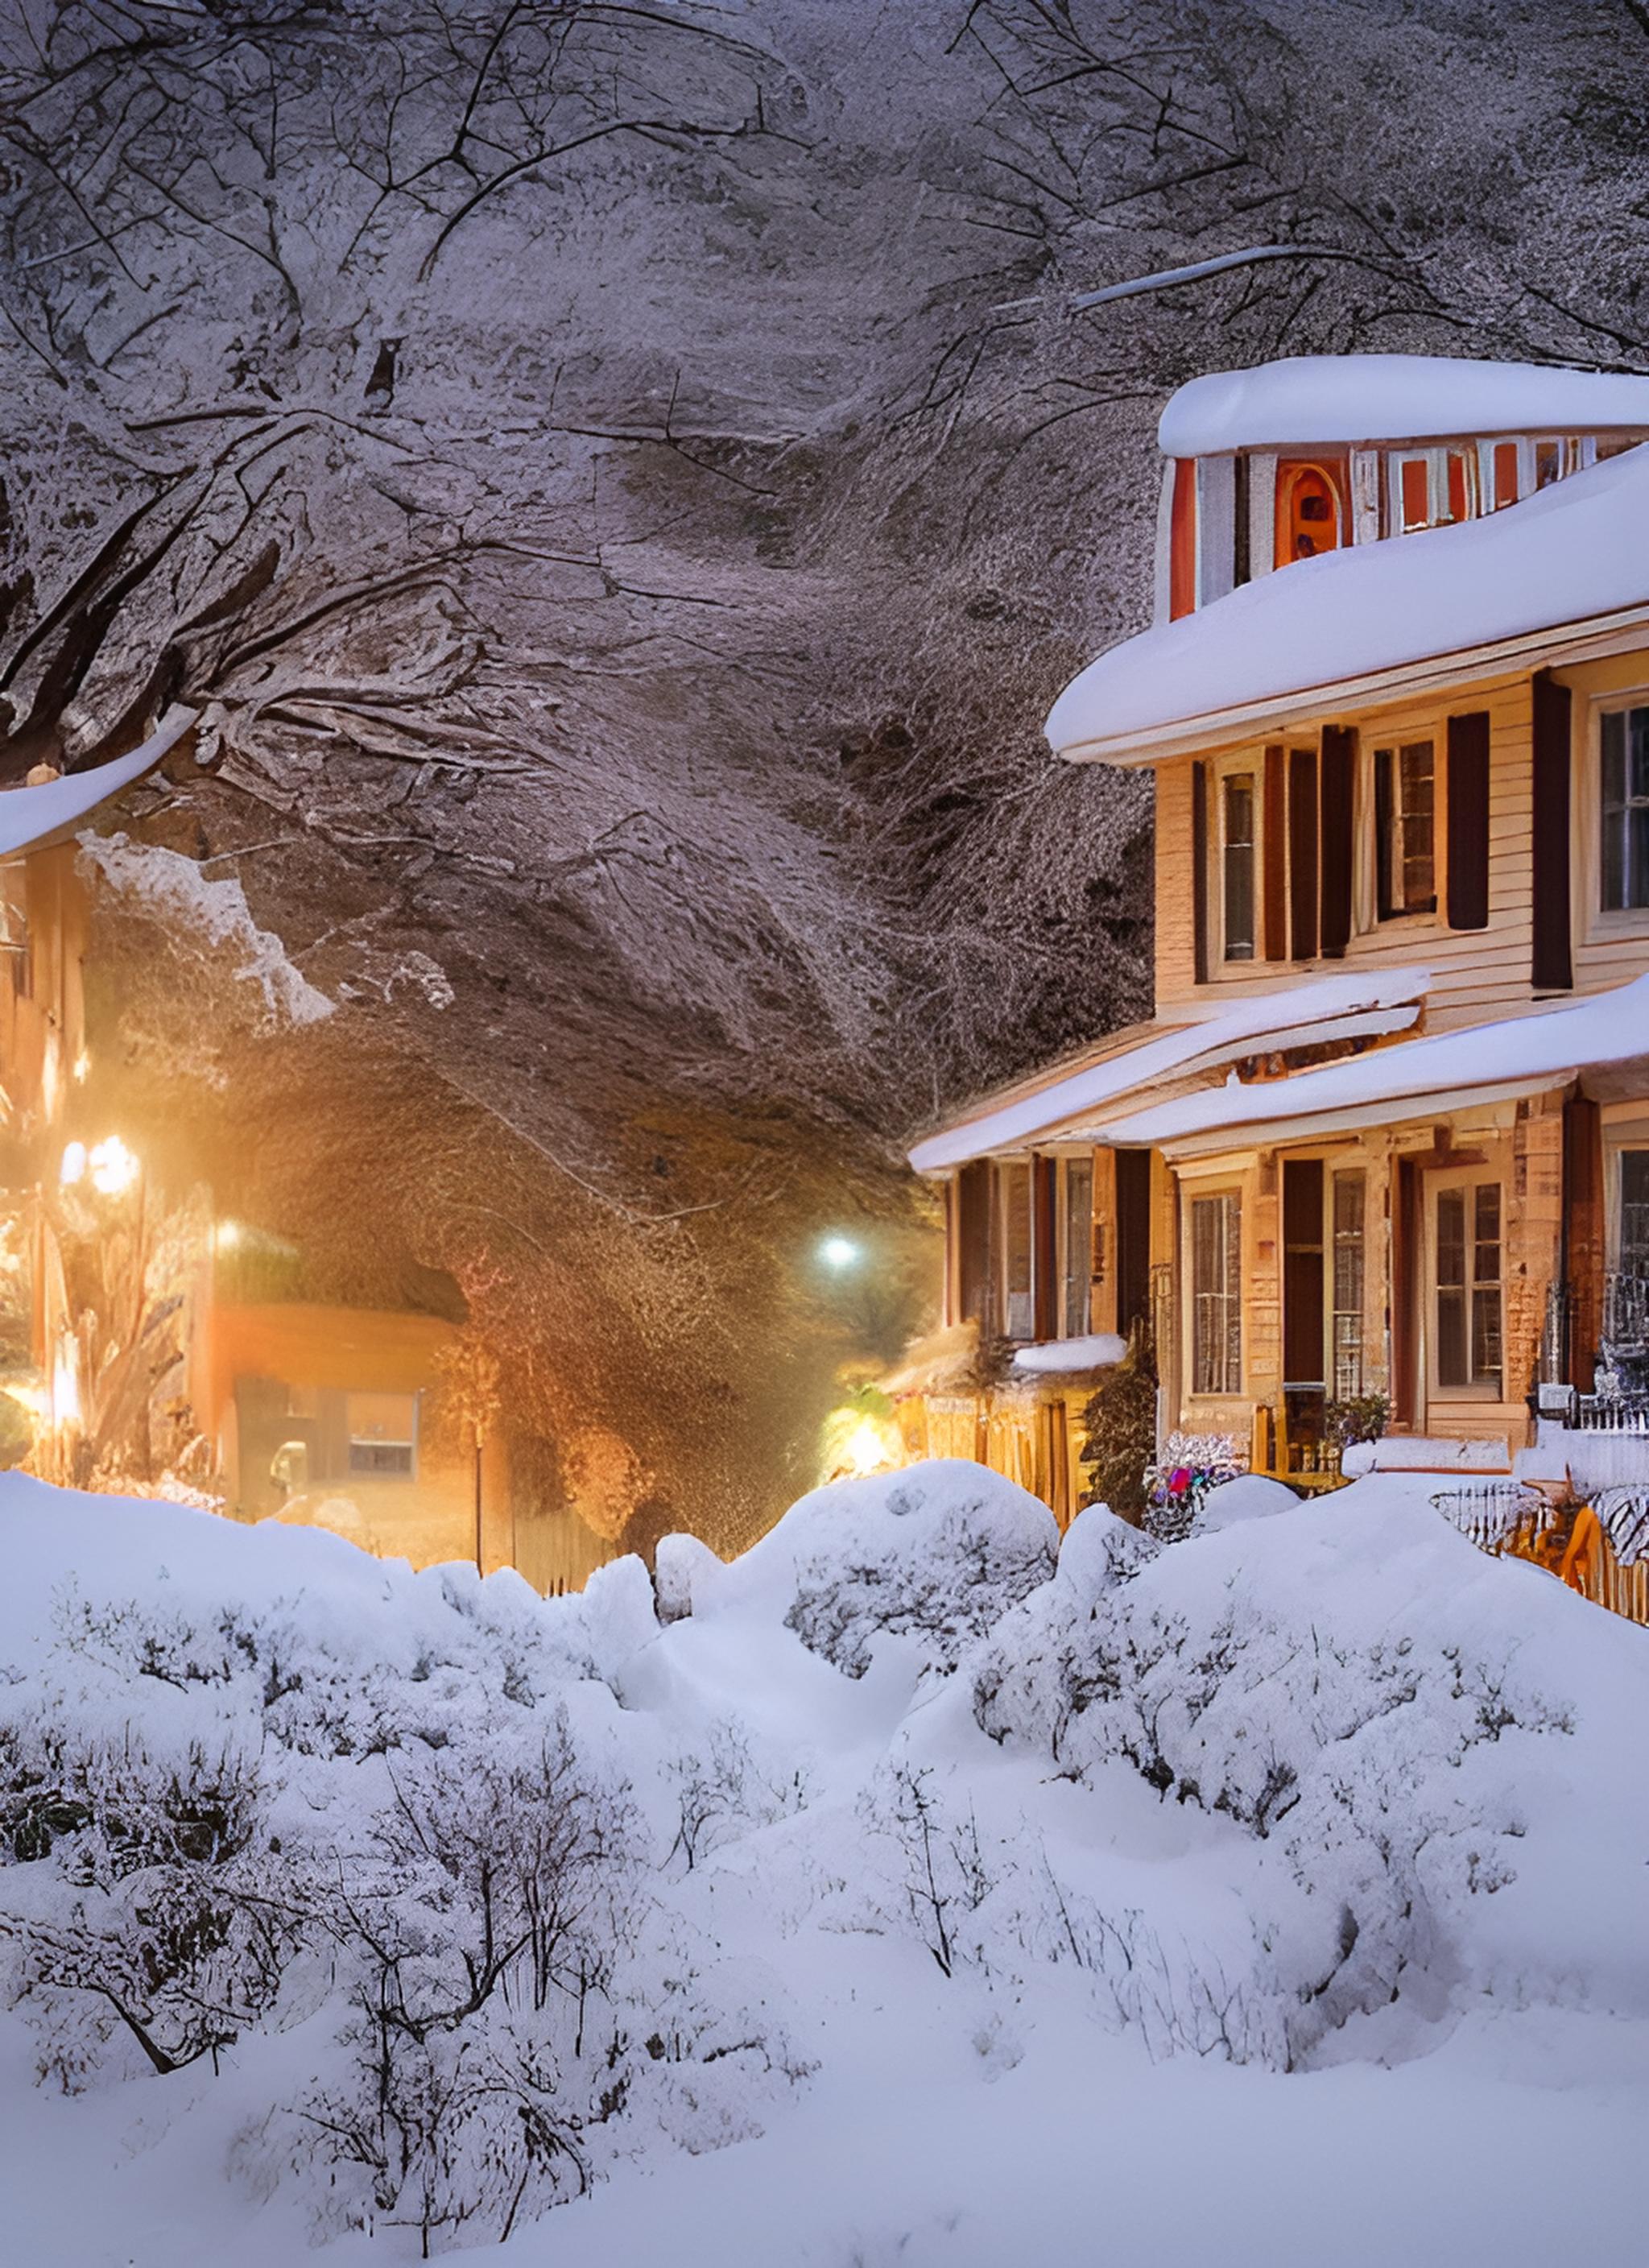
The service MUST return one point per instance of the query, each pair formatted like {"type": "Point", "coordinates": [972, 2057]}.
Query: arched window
{"type": "Point", "coordinates": [1310, 511]}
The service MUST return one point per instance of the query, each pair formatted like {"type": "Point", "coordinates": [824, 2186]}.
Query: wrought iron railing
{"type": "Point", "coordinates": [1491, 1513]}
{"type": "Point", "coordinates": [1609, 1413]}
{"type": "Point", "coordinates": [1623, 1513]}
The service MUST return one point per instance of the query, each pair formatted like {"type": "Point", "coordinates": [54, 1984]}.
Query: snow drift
{"type": "Point", "coordinates": [413, 1905]}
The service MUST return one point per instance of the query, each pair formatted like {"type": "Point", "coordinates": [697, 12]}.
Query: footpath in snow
{"type": "Point", "coordinates": [919, 1888]}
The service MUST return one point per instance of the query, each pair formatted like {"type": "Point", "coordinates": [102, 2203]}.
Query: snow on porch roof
{"type": "Point", "coordinates": [1544, 1047]}
{"type": "Point", "coordinates": [1574, 552]}
{"type": "Point", "coordinates": [1163, 1052]}
{"type": "Point", "coordinates": [1311, 399]}
{"type": "Point", "coordinates": [30, 816]}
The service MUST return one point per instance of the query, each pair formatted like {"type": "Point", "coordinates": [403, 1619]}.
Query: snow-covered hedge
{"type": "Point", "coordinates": [463, 1899]}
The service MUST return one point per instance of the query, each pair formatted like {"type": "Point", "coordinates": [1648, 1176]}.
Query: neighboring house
{"type": "Point", "coordinates": [1388, 1130]}
{"type": "Point", "coordinates": [141, 1336]}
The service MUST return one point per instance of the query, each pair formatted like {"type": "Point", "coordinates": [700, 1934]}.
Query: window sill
{"type": "Point", "coordinates": [1605, 927]}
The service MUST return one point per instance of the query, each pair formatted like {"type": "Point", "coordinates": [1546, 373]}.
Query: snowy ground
{"type": "Point", "coordinates": [1291, 1885]}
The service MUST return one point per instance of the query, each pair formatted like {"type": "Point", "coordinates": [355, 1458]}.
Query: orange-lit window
{"type": "Point", "coordinates": [1310, 511]}
{"type": "Point", "coordinates": [1415, 492]}
{"type": "Point", "coordinates": [1183, 540]}
{"type": "Point", "coordinates": [1504, 473]}
{"type": "Point", "coordinates": [1461, 486]}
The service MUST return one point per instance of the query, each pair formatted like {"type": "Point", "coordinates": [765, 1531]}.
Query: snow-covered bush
{"type": "Point", "coordinates": [935, 1554]}
{"type": "Point", "coordinates": [1381, 1758]}
{"type": "Point", "coordinates": [390, 1810]}
{"type": "Point", "coordinates": [427, 1903]}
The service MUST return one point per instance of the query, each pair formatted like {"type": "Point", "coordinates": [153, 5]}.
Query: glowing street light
{"type": "Point", "coordinates": [109, 1166]}
{"type": "Point", "coordinates": [113, 1167]}
{"type": "Point", "coordinates": [839, 1253]}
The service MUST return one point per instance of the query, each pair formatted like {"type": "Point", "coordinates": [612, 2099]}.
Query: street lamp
{"type": "Point", "coordinates": [839, 1253]}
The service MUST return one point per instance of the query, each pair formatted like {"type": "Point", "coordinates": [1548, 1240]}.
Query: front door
{"type": "Point", "coordinates": [1304, 1337]}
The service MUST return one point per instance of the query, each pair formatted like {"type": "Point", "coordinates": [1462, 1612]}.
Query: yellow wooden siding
{"type": "Point", "coordinates": [1476, 974]}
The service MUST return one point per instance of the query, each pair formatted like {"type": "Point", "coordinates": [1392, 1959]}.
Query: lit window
{"type": "Point", "coordinates": [1079, 1246]}
{"type": "Point", "coordinates": [1310, 518]}
{"type": "Point", "coordinates": [1019, 1319]}
{"type": "Point", "coordinates": [1625, 809]}
{"type": "Point", "coordinates": [382, 1435]}
{"type": "Point", "coordinates": [1413, 493]}
{"type": "Point", "coordinates": [1239, 863]}
{"type": "Point", "coordinates": [1217, 1293]}
{"type": "Point", "coordinates": [1467, 1286]}
{"type": "Point", "coordinates": [1405, 807]}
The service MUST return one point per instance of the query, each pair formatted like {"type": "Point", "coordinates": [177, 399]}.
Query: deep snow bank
{"type": "Point", "coordinates": [414, 1904]}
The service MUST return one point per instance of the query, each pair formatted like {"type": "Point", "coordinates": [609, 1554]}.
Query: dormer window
{"type": "Point", "coordinates": [1310, 510]}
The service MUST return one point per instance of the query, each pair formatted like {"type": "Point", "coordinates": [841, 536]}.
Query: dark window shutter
{"type": "Point", "coordinates": [1551, 969]}
{"type": "Point", "coordinates": [1275, 827]}
{"type": "Point", "coordinates": [1384, 760]}
{"type": "Point", "coordinates": [1132, 1238]}
{"type": "Point", "coordinates": [1045, 1247]}
{"type": "Point", "coordinates": [1302, 853]}
{"type": "Point", "coordinates": [1199, 871]}
{"type": "Point", "coordinates": [1405, 1293]}
{"type": "Point", "coordinates": [1469, 821]}
{"type": "Point", "coordinates": [973, 1240]}
{"type": "Point", "coordinates": [1339, 768]}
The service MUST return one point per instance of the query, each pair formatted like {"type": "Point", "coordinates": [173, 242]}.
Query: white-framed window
{"type": "Point", "coordinates": [1624, 809]}
{"type": "Point", "coordinates": [1238, 839]}
{"type": "Point", "coordinates": [1348, 1205]}
{"type": "Point", "coordinates": [1405, 829]}
{"type": "Point", "coordinates": [1076, 1246]}
{"type": "Point", "coordinates": [1467, 1302]}
{"type": "Point", "coordinates": [1216, 1292]}
{"type": "Point", "coordinates": [1016, 1248]}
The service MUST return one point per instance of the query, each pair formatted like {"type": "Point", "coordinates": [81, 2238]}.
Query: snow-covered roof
{"type": "Point", "coordinates": [1543, 1047]}
{"type": "Point", "coordinates": [1300, 1013]}
{"type": "Point", "coordinates": [1312, 400]}
{"type": "Point", "coordinates": [30, 816]}
{"type": "Point", "coordinates": [1057, 1357]}
{"type": "Point", "coordinates": [1572, 554]}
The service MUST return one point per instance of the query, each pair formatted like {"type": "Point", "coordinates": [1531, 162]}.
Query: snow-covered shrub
{"type": "Point", "coordinates": [392, 1810]}
{"type": "Point", "coordinates": [723, 1793]}
{"type": "Point", "coordinates": [1377, 1754]}
{"type": "Point", "coordinates": [936, 1554]}
{"type": "Point", "coordinates": [157, 1920]}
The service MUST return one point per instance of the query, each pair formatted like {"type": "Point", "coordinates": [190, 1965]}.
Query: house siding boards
{"type": "Point", "coordinates": [1475, 973]}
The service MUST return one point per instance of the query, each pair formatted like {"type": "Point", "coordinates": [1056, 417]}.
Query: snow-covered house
{"type": "Point", "coordinates": [147, 1344]}
{"type": "Point", "coordinates": [1388, 1132]}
